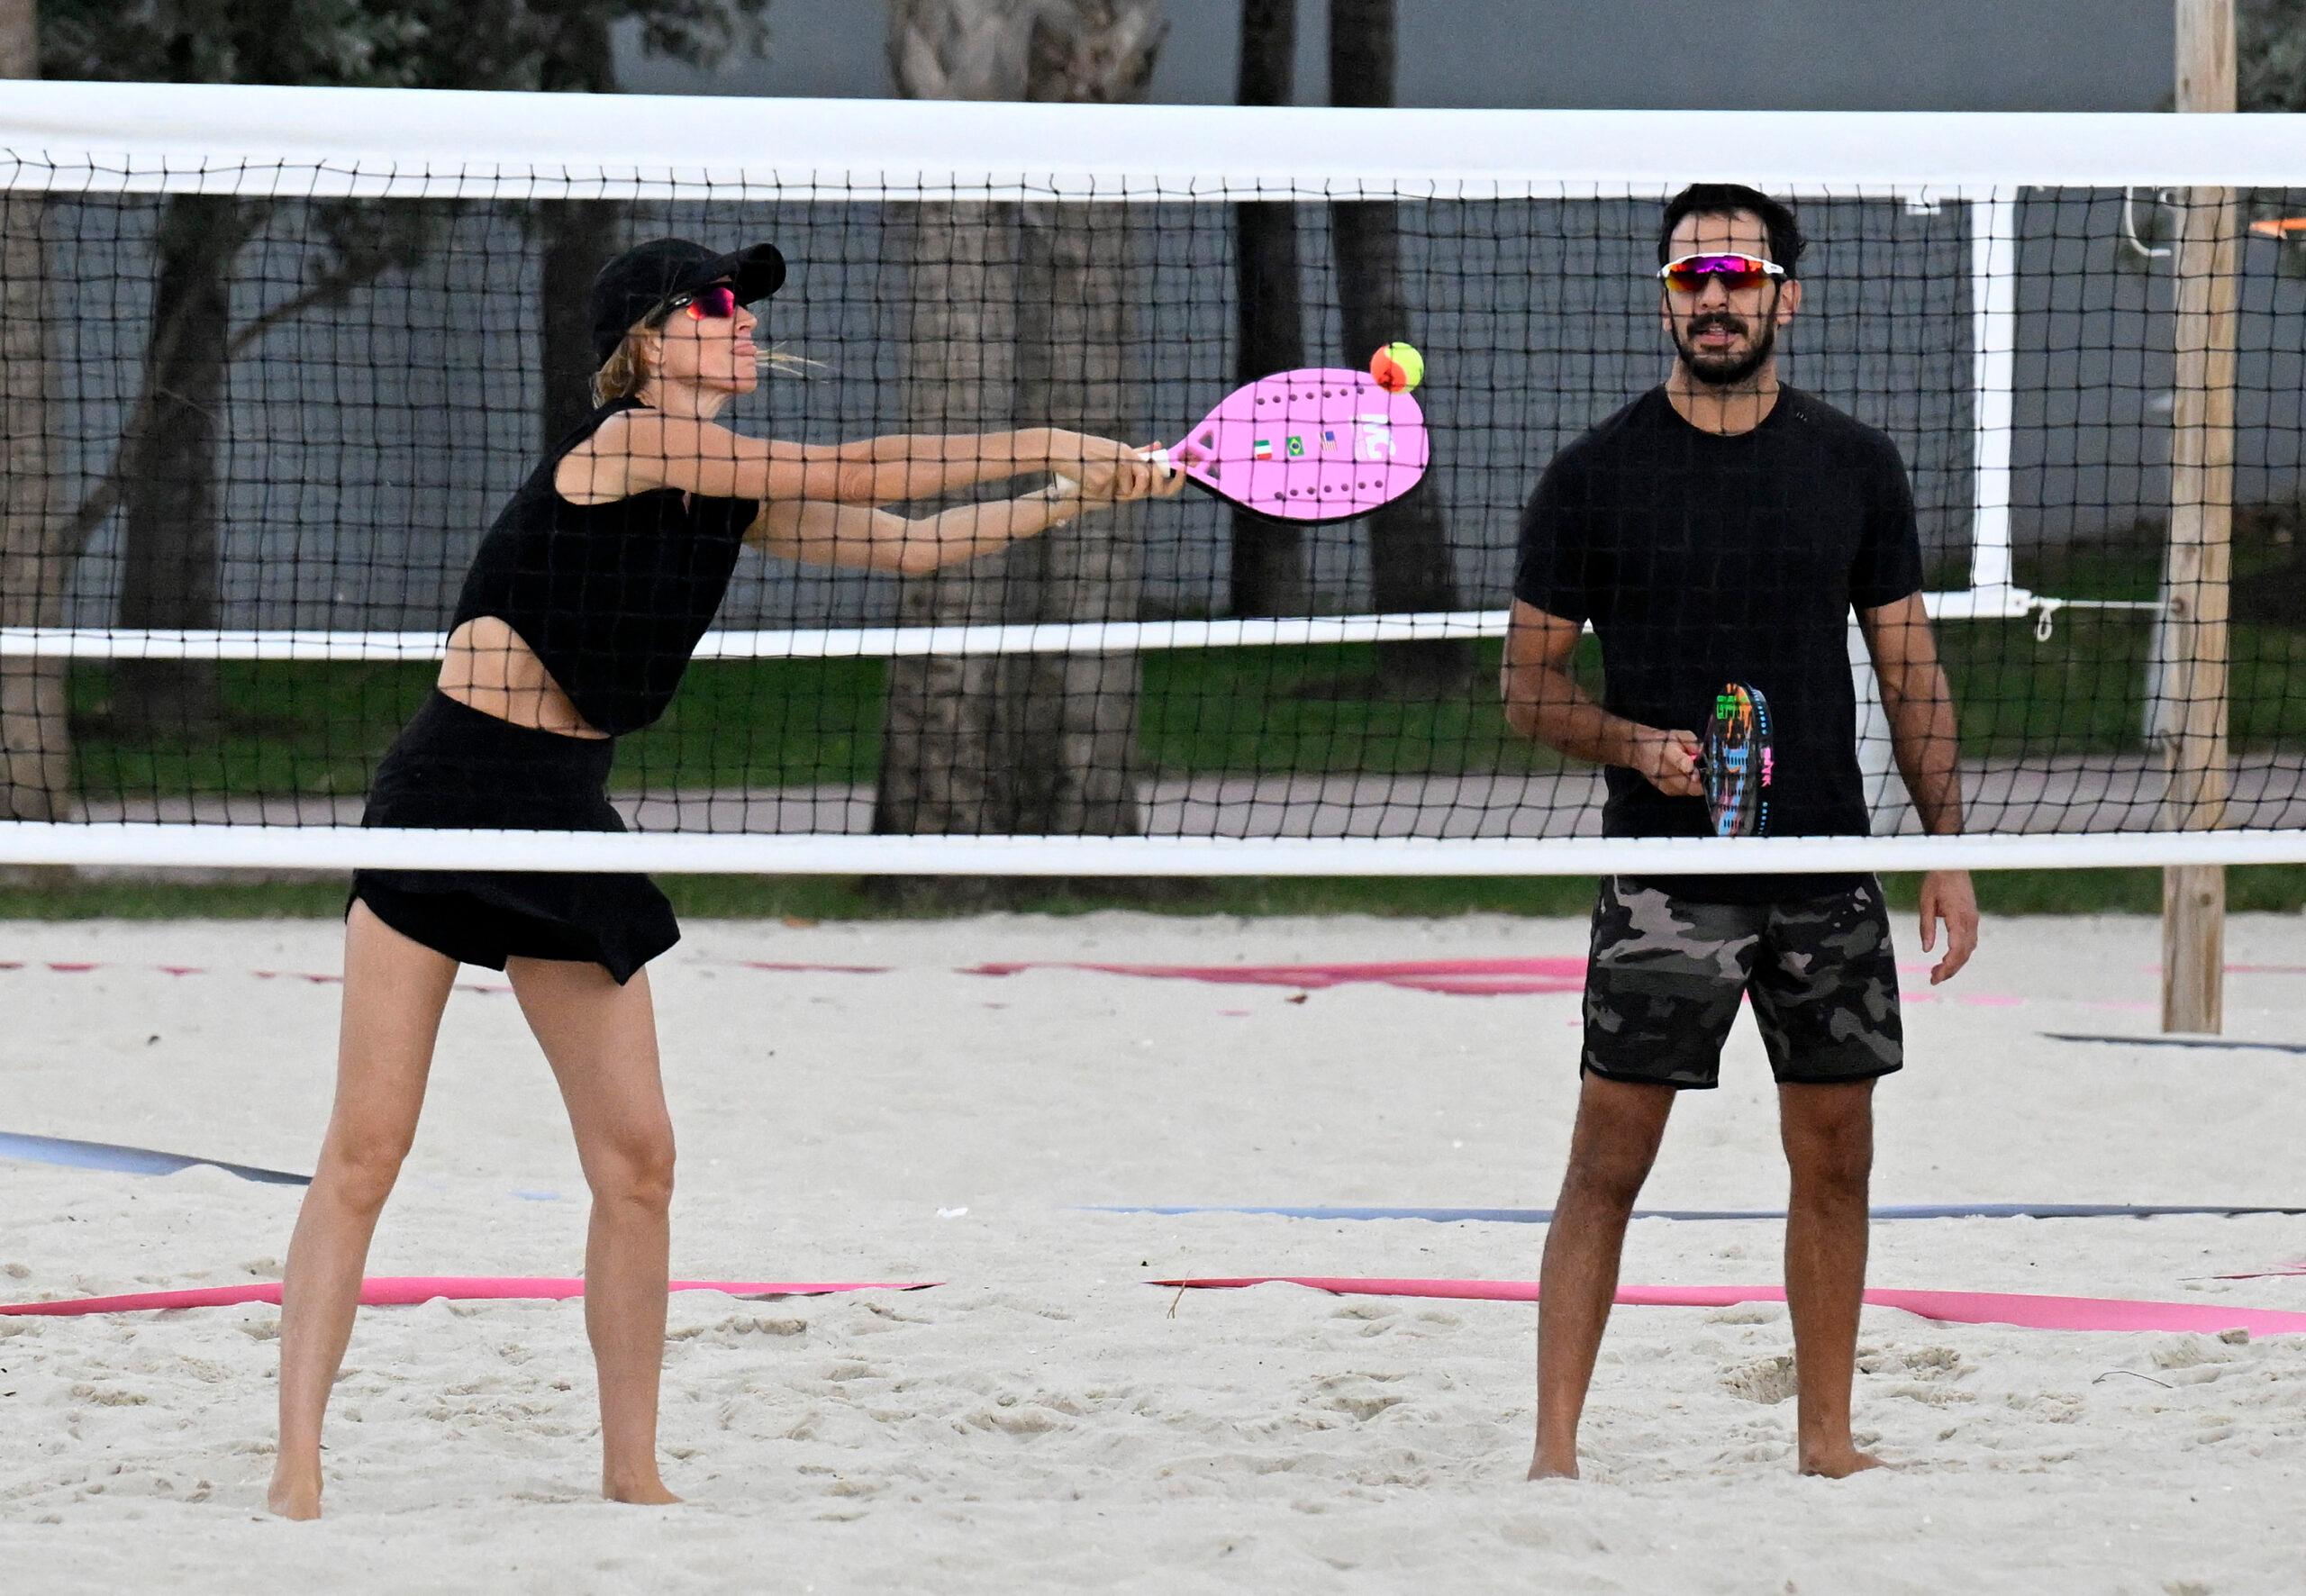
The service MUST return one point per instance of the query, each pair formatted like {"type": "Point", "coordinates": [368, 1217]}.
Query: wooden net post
{"type": "Point", "coordinates": [2198, 560]}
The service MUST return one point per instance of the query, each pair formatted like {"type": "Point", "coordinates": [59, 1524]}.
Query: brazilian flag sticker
{"type": "Point", "coordinates": [1296, 448]}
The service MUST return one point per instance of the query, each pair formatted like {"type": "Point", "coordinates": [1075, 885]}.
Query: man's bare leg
{"type": "Point", "coordinates": [1611, 1149]}
{"type": "Point", "coordinates": [1828, 1136]}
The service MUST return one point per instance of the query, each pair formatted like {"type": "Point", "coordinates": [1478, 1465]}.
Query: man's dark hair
{"type": "Point", "coordinates": [1728, 199]}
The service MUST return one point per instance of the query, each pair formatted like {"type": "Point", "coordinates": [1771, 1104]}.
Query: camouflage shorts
{"type": "Point", "coordinates": [1666, 975]}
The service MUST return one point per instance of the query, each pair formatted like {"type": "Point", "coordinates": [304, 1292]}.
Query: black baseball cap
{"type": "Point", "coordinates": [644, 277]}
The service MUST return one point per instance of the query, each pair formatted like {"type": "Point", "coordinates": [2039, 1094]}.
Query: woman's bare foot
{"type": "Point", "coordinates": [1838, 1463]}
{"type": "Point", "coordinates": [294, 1497]}
{"type": "Point", "coordinates": [1543, 1467]}
{"type": "Point", "coordinates": [647, 1493]}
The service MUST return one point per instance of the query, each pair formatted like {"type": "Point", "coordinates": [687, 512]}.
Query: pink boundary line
{"type": "Point", "coordinates": [1537, 976]}
{"type": "Point", "coordinates": [1464, 978]}
{"type": "Point", "coordinates": [404, 1291]}
{"type": "Point", "coordinates": [1472, 977]}
{"type": "Point", "coordinates": [2026, 1311]}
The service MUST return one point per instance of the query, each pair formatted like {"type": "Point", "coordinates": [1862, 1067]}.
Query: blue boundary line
{"type": "Point", "coordinates": [1542, 1216]}
{"type": "Point", "coordinates": [102, 1155]}
{"type": "Point", "coordinates": [2212, 1042]}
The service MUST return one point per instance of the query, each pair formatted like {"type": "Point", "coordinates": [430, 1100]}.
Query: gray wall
{"type": "Point", "coordinates": [366, 449]}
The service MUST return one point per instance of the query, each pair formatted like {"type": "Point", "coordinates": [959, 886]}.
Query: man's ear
{"type": "Point", "coordinates": [1789, 299]}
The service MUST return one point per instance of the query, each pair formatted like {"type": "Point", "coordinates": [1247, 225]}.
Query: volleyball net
{"type": "Point", "coordinates": [274, 359]}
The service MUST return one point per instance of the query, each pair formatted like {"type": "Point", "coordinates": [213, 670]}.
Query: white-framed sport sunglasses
{"type": "Point", "coordinates": [1688, 274]}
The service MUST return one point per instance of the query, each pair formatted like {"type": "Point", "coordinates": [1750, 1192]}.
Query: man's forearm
{"type": "Point", "coordinates": [1550, 706]}
{"type": "Point", "coordinates": [1925, 740]}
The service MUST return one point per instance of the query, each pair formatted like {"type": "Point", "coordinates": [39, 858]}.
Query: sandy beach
{"type": "Point", "coordinates": [1042, 1419]}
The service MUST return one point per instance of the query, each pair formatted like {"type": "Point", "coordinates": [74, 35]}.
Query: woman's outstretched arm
{"type": "Point", "coordinates": [831, 534]}
{"type": "Point", "coordinates": [641, 450]}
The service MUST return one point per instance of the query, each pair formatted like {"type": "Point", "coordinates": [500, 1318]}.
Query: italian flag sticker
{"type": "Point", "coordinates": [1262, 450]}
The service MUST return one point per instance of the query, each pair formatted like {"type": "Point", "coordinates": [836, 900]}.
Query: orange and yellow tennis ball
{"type": "Point", "coordinates": [1398, 368]}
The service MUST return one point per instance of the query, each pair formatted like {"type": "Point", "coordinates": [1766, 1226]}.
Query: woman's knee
{"type": "Point", "coordinates": [635, 1170]}
{"type": "Point", "coordinates": [360, 1164]}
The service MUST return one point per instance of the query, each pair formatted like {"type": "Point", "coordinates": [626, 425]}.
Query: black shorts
{"type": "Point", "coordinates": [454, 768]}
{"type": "Point", "coordinates": [1667, 973]}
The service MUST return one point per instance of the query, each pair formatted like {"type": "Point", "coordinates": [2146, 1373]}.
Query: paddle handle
{"type": "Point", "coordinates": [1065, 487]}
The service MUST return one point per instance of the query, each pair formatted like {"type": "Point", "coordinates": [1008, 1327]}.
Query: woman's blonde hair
{"type": "Point", "coordinates": [626, 370]}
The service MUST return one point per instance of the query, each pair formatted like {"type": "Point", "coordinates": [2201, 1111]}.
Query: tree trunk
{"type": "Point", "coordinates": [19, 38]}
{"type": "Point", "coordinates": [1078, 773]}
{"type": "Point", "coordinates": [35, 732]}
{"type": "Point", "coordinates": [1410, 562]}
{"type": "Point", "coordinates": [1019, 315]}
{"type": "Point", "coordinates": [1268, 556]}
{"type": "Point", "coordinates": [579, 237]}
{"type": "Point", "coordinates": [943, 769]}
{"type": "Point", "coordinates": [170, 574]}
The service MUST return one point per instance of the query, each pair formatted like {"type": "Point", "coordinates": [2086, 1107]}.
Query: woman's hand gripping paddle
{"type": "Point", "coordinates": [1317, 444]}
{"type": "Point", "coordinates": [1735, 762]}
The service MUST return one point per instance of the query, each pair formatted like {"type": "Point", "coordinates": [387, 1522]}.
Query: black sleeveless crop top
{"type": "Point", "coordinates": [611, 597]}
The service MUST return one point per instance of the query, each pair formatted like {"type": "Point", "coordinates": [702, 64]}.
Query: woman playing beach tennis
{"type": "Point", "coordinates": [582, 609]}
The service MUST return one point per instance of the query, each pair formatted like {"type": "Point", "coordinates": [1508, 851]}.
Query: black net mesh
{"type": "Point", "coordinates": [258, 422]}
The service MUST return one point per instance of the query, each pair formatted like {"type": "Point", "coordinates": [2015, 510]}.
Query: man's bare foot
{"type": "Point", "coordinates": [298, 1498]}
{"type": "Point", "coordinates": [1838, 1463]}
{"type": "Point", "coordinates": [1545, 1467]}
{"type": "Point", "coordinates": [650, 1492]}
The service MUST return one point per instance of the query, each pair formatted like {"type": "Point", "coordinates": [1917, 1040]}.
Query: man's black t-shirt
{"type": "Point", "coordinates": [1704, 559]}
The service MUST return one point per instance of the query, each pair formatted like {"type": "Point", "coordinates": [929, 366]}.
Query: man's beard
{"type": "Point", "coordinates": [1723, 368]}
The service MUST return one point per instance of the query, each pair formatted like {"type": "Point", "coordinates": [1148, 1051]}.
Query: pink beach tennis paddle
{"type": "Point", "coordinates": [1320, 443]}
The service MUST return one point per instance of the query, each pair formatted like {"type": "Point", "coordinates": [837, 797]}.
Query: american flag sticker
{"type": "Point", "coordinates": [1262, 450]}
{"type": "Point", "coordinates": [1328, 440]}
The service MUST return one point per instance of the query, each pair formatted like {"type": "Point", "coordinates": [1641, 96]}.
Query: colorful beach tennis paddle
{"type": "Point", "coordinates": [1735, 755]}
{"type": "Point", "coordinates": [1320, 443]}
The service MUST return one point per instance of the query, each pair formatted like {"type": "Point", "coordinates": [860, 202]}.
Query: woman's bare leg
{"type": "Point", "coordinates": [393, 991]}
{"type": "Point", "coordinates": [601, 1039]}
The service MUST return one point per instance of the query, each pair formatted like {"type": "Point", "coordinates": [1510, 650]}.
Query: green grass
{"type": "Point", "coordinates": [291, 728]}
{"type": "Point", "coordinates": [294, 727]}
{"type": "Point", "coordinates": [2269, 888]}
{"type": "Point", "coordinates": [317, 728]}
{"type": "Point", "coordinates": [763, 723]}
{"type": "Point", "coordinates": [2083, 690]}
{"type": "Point", "coordinates": [1311, 709]}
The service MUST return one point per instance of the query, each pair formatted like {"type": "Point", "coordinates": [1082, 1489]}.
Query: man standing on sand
{"type": "Point", "coordinates": [1719, 530]}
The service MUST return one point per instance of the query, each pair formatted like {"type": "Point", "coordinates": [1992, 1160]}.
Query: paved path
{"type": "Point", "coordinates": [2092, 793]}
